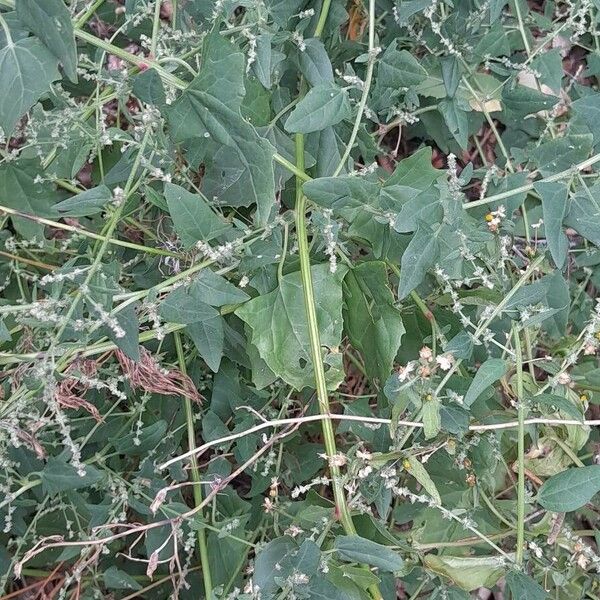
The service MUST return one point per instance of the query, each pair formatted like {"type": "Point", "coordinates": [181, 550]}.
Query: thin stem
{"type": "Point", "coordinates": [365, 93]}
{"type": "Point", "coordinates": [195, 472]}
{"type": "Point", "coordinates": [112, 225]}
{"type": "Point", "coordinates": [315, 343]}
{"type": "Point", "coordinates": [522, 27]}
{"type": "Point", "coordinates": [155, 28]}
{"type": "Point", "coordinates": [322, 18]}
{"type": "Point", "coordinates": [529, 186]}
{"type": "Point", "coordinates": [84, 17]}
{"type": "Point", "coordinates": [292, 168]}
{"type": "Point", "coordinates": [494, 510]}
{"type": "Point", "coordinates": [520, 449]}
{"type": "Point", "coordinates": [9, 40]}
{"type": "Point", "coordinates": [488, 118]}
{"type": "Point", "coordinates": [86, 233]}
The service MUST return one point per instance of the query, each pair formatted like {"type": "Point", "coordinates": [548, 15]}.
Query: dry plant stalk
{"type": "Point", "coordinates": [149, 376]}
{"type": "Point", "coordinates": [70, 391]}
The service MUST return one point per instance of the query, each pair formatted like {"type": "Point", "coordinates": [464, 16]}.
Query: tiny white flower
{"type": "Point", "coordinates": [445, 361]}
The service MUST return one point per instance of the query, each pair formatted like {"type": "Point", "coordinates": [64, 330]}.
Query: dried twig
{"type": "Point", "coordinates": [149, 376]}
{"type": "Point", "coordinates": [361, 419]}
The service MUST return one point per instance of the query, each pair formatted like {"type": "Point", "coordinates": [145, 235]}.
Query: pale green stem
{"type": "Point", "coordinates": [114, 221]}
{"type": "Point", "coordinates": [322, 18]}
{"type": "Point", "coordinates": [529, 186]}
{"type": "Point", "coordinates": [365, 93]}
{"type": "Point", "coordinates": [155, 28]}
{"type": "Point", "coordinates": [81, 20]}
{"type": "Point", "coordinates": [195, 473]}
{"type": "Point", "coordinates": [521, 408]}
{"type": "Point", "coordinates": [315, 344]}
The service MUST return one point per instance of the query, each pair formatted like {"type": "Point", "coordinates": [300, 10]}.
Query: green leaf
{"type": "Point", "coordinates": [457, 121]}
{"type": "Point", "coordinates": [412, 176]}
{"type": "Point", "coordinates": [208, 337]}
{"type": "Point", "coordinates": [431, 418]}
{"type": "Point", "coordinates": [115, 579]}
{"type": "Point", "coordinates": [555, 403]}
{"type": "Point", "coordinates": [469, 573]}
{"type": "Point", "coordinates": [86, 203]}
{"type": "Point", "coordinates": [549, 65]}
{"type": "Point", "coordinates": [524, 100]}
{"type": "Point", "coordinates": [587, 109]}
{"type": "Point", "coordinates": [584, 214]}
{"type": "Point", "coordinates": [15, 26]}
{"type": "Point", "coordinates": [322, 588]}
{"type": "Point", "coordinates": [420, 255]}
{"type": "Point", "coordinates": [19, 191]}
{"type": "Point", "coordinates": [128, 321]}
{"type": "Point", "coordinates": [489, 372]}
{"type": "Point", "coordinates": [552, 291]}
{"type": "Point", "coordinates": [554, 206]}
{"type": "Point", "coordinates": [417, 470]}
{"type": "Point", "coordinates": [341, 192]}
{"type": "Point", "coordinates": [358, 549]}
{"type": "Point", "coordinates": [27, 69]}
{"type": "Point", "coordinates": [408, 8]}
{"type": "Point", "coordinates": [496, 7]}
{"type": "Point", "coordinates": [562, 153]}
{"type": "Point", "coordinates": [280, 331]}
{"type": "Point", "coordinates": [403, 190]}
{"type": "Point", "coordinates": [454, 419]}
{"type": "Point", "coordinates": [51, 22]}
{"type": "Point", "coordinates": [256, 108]}
{"type": "Point", "coordinates": [59, 476]}
{"type": "Point", "coordinates": [325, 104]}
{"type": "Point", "coordinates": [371, 320]}
{"type": "Point", "coordinates": [193, 218]}
{"type": "Point", "coordinates": [523, 587]}
{"type": "Point", "coordinates": [273, 562]}
{"type": "Point", "coordinates": [184, 305]}
{"type": "Point", "coordinates": [216, 290]}
{"type": "Point", "coordinates": [4, 332]}
{"type": "Point", "coordinates": [138, 443]}
{"type": "Point", "coordinates": [451, 74]}
{"type": "Point", "coordinates": [211, 107]}
{"type": "Point", "coordinates": [148, 87]}
{"type": "Point", "coordinates": [314, 62]}
{"type": "Point", "coordinates": [266, 58]}
{"type": "Point", "coordinates": [399, 68]}
{"type": "Point", "coordinates": [460, 346]}
{"type": "Point", "coordinates": [570, 489]}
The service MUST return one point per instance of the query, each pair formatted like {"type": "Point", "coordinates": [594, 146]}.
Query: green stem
{"type": "Point", "coordinates": [521, 408]}
{"type": "Point", "coordinates": [88, 234]}
{"type": "Point", "coordinates": [322, 18]}
{"type": "Point", "coordinates": [529, 186]}
{"type": "Point", "coordinates": [315, 343]}
{"type": "Point", "coordinates": [81, 20]}
{"type": "Point", "coordinates": [491, 123]}
{"type": "Point", "coordinates": [519, 16]}
{"type": "Point", "coordinates": [195, 473]}
{"type": "Point", "coordinates": [568, 451]}
{"type": "Point", "coordinates": [155, 28]}
{"type": "Point", "coordinates": [112, 225]}
{"type": "Point", "coordinates": [339, 495]}
{"type": "Point", "coordinates": [9, 40]}
{"type": "Point", "coordinates": [292, 168]}
{"type": "Point", "coordinates": [365, 92]}
{"type": "Point", "coordinates": [494, 510]}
